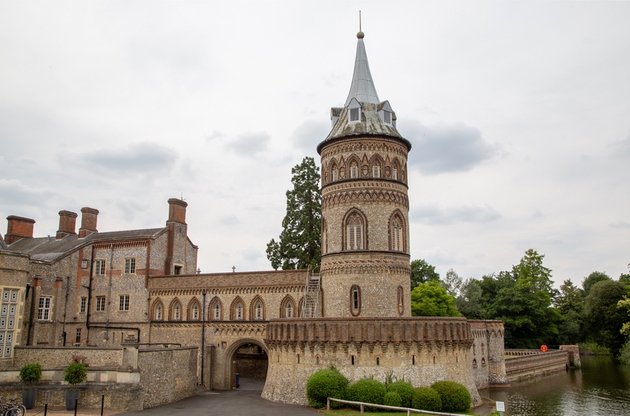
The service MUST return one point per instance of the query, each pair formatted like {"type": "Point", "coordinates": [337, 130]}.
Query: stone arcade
{"type": "Point", "coordinates": [104, 289]}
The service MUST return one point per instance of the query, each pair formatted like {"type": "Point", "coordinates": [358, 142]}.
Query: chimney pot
{"type": "Point", "coordinates": [18, 228]}
{"type": "Point", "coordinates": [67, 223]}
{"type": "Point", "coordinates": [88, 221]}
{"type": "Point", "coordinates": [177, 210]}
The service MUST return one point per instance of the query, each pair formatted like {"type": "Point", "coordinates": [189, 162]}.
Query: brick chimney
{"type": "Point", "coordinates": [18, 228]}
{"type": "Point", "coordinates": [67, 223]}
{"type": "Point", "coordinates": [177, 210]}
{"type": "Point", "coordinates": [88, 221]}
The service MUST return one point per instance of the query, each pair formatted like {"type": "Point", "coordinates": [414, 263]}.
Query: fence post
{"type": "Point", "coordinates": [45, 408]}
{"type": "Point", "coordinates": [76, 405]}
{"type": "Point", "coordinates": [360, 405]}
{"type": "Point", "coordinates": [327, 403]}
{"type": "Point", "coordinates": [102, 403]}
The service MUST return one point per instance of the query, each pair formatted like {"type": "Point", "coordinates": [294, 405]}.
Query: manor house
{"type": "Point", "coordinates": [91, 288]}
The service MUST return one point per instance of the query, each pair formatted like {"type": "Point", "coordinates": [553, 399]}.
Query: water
{"type": "Point", "coordinates": [600, 387]}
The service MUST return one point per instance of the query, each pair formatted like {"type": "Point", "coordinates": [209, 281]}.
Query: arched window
{"type": "Point", "coordinates": [324, 243]}
{"type": "Point", "coordinates": [237, 311]}
{"type": "Point", "coordinates": [355, 300]}
{"type": "Point", "coordinates": [400, 295]}
{"type": "Point", "coordinates": [215, 310]}
{"type": "Point", "coordinates": [257, 312]}
{"type": "Point", "coordinates": [396, 233]}
{"type": "Point", "coordinates": [176, 311]}
{"type": "Point", "coordinates": [334, 172]}
{"type": "Point", "coordinates": [158, 310]}
{"type": "Point", "coordinates": [354, 170]}
{"type": "Point", "coordinates": [193, 310]}
{"type": "Point", "coordinates": [287, 307]}
{"type": "Point", "coordinates": [355, 231]}
{"type": "Point", "coordinates": [395, 170]}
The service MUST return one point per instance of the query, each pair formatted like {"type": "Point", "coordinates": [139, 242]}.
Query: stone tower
{"type": "Point", "coordinates": [365, 223]}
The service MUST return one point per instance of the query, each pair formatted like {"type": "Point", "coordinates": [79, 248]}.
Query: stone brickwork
{"type": "Point", "coordinates": [524, 367]}
{"type": "Point", "coordinates": [487, 355]}
{"type": "Point", "coordinates": [422, 350]}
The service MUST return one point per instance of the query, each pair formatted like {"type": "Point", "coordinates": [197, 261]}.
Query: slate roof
{"type": "Point", "coordinates": [50, 249]}
{"type": "Point", "coordinates": [363, 90]}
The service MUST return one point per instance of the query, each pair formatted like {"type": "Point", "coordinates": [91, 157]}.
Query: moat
{"type": "Point", "coordinates": [600, 387]}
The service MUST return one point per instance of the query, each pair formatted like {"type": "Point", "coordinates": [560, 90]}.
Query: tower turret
{"type": "Point", "coordinates": [365, 208]}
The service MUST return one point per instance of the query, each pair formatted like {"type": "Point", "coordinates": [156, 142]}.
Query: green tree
{"type": "Point", "coordinates": [571, 298]}
{"type": "Point", "coordinates": [522, 300]}
{"type": "Point", "coordinates": [592, 280]}
{"type": "Point", "coordinates": [431, 299]}
{"type": "Point", "coordinates": [452, 283]}
{"type": "Point", "coordinates": [299, 244]}
{"type": "Point", "coordinates": [603, 320]}
{"type": "Point", "coordinates": [470, 302]}
{"type": "Point", "coordinates": [422, 272]}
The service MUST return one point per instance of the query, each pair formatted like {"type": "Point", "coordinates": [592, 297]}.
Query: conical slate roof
{"type": "Point", "coordinates": [362, 87]}
{"type": "Point", "coordinates": [374, 117]}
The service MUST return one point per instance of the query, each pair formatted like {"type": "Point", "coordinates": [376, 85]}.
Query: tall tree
{"type": "Point", "coordinates": [469, 302]}
{"type": "Point", "coordinates": [603, 320]}
{"type": "Point", "coordinates": [570, 304]}
{"type": "Point", "coordinates": [431, 299]}
{"type": "Point", "coordinates": [299, 244]}
{"type": "Point", "coordinates": [422, 272]}
{"type": "Point", "coordinates": [592, 280]}
{"type": "Point", "coordinates": [452, 283]}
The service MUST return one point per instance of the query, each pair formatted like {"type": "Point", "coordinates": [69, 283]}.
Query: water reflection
{"type": "Point", "coordinates": [601, 387]}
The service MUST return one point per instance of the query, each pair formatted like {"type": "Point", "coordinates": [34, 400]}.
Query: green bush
{"type": "Point", "coordinates": [323, 384]}
{"type": "Point", "coordinates": [425, 398]}
{"type": "Point", "coordinates": [624, 353]}
{"type": "Point", "coordinates": [455, 397]}
{"type": "Point", "coordinates": [75, 373]}
{"type": "Point", "coordinates": [404, 390]}
{"type": "Point", "coordinates": [31, 373]}
{"type": "Point", "coordinates": [367, 391]}
{"type": "Point", "coordinates": [392, 398]}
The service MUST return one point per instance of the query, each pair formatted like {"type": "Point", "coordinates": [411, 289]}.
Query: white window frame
{"type": "Point", "coordinates": [82, 304]}
{"type": "Point", "coordinates": [99, 267]}
{"type": "Point", "coordinates": [216, 310]}
{"type": "Point", "coordinates": [100, 304]}
{"type": "Point", "coordinates": [44, 310]}
{"type": "Point", "coordinates": [376, 171]}
{"type": "Point", "coordinates": [354, 172]}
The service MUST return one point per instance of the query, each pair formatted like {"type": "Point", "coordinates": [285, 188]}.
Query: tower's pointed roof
{"type": "Point", "coordinates": [362, 87]}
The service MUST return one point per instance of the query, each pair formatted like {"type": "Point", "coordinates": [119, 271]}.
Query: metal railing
{"type": "Point", "coordinates": [382, 406]}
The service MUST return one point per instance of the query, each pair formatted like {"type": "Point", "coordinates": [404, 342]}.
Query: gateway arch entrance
{"type": "Point", "coordinates": [248, 364]}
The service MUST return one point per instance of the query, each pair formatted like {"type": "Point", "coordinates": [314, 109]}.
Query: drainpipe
{"type": "Point", "coordinates": [65, 309]}
{"type": "Point", "coordinates": [89, 299]}
{"type": "Point", "coordinates": [109, 290]}
{"type": "Point", "coordinates": [30, 317]}
{"type": "Point", "coordinates": [203, 333]}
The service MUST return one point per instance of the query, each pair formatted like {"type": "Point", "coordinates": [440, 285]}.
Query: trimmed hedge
{"type": "Point", "coordinates": [367, 391]}
{"type": "Point", "coordinates": [455, 397]}
{"type": "Point", "coordinates": [392, 399]}
{"type": "Point", "coordinates": [404, 390]}
{"type": "Point", "coordinates": [323, 384]}
{"type": "Point", "coordinates": [425, 398]}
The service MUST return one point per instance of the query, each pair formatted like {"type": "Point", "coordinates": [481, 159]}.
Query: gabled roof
{"type": "Point", "coordinates": [50, 249]}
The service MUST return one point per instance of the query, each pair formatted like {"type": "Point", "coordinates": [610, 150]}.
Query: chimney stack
{"type": "Point", "coordinates": [18, 228]}
{"type": "Point", "coordinates": [67, 223]}
{"type": "Point", "coordinates": [88, 221]}
{"type": "Point", "coordinates": [177, 210]}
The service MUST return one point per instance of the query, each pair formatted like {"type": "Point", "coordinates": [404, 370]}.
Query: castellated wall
{"type": "Point", "coordinates": [422, 350]}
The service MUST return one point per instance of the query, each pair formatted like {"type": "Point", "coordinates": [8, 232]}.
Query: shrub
{"type": "Point", "coordinates": [323, 384]}
{"type": "Point", "coordinates": [367, 391]}
{"type": "Point", "coordinates": [455, 397]}
{"type": "Point", "coordinates": [425, 398]}
{"type": "Point", "coordinates": [404, 390]}
{"type": "Point", "coordinates": [31, 373]}
{"type": "Point", "coordinates": [392, 398]}
{"type": "Point", "coordinates": [75, 373]}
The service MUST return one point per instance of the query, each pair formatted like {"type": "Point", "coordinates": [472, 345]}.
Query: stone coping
{"type": "Point", "coordinates": [345, 330]}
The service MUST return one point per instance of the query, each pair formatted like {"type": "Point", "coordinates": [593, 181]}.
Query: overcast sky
{"type": "Point", "coordinates": [518, 113]}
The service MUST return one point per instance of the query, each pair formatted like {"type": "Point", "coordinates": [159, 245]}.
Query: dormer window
{"type": "Point", "coordinates": [387, 117]}
{"type": "Point", "coordinates": [354, 111]}
{"type": "Point", "coordinates": [354, 114]}
{"type": "Point", "coordinates": [385, 112]}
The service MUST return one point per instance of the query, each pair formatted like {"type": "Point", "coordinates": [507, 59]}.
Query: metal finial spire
{"type": "Point", "coordinates": [360, 35]}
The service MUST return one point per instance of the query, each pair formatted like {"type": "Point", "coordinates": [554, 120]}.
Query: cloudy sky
{"type": "Point", "coordinates": [518, 112]}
